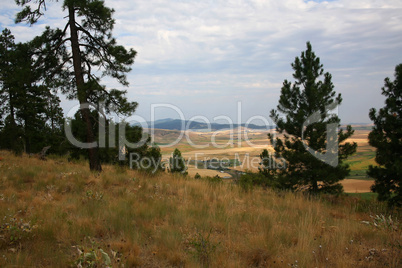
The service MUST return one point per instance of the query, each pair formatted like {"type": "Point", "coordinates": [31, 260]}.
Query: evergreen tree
{"type": "Point", "coordinates": [386, 137]}
{"type": "Point", "coordinates": [7, 46]}
{"type": "Point", "coordinates": [177, 163]}
{"type": "Point", "coordinates": [150, 156]}
{"type": "Point", "coordinates": [54, 130]}
{"type": "Point", "coordinates": [88, 48]}
{"type": "Point", "coordinates": [268, 170]}
{"type": "Point", "coordinates": [29, 102]}
{"type": "Point", "coordinates": [308, 128]}
{"type": "Point", "coordinates": [153, 161]}
{"type": "Point", "coordinates": [25, 103]}
{"type": "Point", "coordinates": [10, 132]}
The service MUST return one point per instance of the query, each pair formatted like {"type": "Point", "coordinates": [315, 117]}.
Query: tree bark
{"type": "Point", "coordinates": [93, 153]}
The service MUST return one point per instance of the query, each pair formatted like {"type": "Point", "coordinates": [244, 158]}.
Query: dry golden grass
{"type": "Point", "coordinates": [58, 214]}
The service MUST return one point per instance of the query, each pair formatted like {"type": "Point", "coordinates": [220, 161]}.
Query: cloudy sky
{"type": "Point", "coordinates": [206, 57]}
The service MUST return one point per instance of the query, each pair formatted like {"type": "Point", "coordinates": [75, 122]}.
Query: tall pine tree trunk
{"type": "Point", "coordinates": [13, 125]}
{"type": "Point", "coordinates": [93, 153]}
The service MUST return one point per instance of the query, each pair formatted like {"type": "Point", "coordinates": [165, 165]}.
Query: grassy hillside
{"type": "Point", "coordinates": [58, 214]}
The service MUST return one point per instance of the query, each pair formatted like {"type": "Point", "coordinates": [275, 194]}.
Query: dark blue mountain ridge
{"type": "Point", "coordinates": [178, 124]}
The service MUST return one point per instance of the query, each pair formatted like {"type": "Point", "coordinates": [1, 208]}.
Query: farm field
{"type": "Point", "coordinates": [245, 146]}
{"type": "Point", "coordinates": [56, 213]}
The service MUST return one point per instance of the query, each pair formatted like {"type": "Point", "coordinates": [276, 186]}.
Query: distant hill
{"type": "Point", "coordinates": [359, 126]}
{"type": "Point", "coordinates": [177, 124]}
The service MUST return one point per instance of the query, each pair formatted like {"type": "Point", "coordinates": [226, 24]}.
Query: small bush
{"type": "Point", "coordinates": [213, 180]}
{"type": "Point", "coordinates": [15, 230]}
{"type": "Point", "coordinates": [92, 255]}
{"type": "Point", "coordinates": [249, 180]}
{"type": "Point", "coordinates": [203, 247]}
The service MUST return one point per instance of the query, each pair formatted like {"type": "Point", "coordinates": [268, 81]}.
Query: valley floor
{"type": "Point", "coordinates": [244, 146]}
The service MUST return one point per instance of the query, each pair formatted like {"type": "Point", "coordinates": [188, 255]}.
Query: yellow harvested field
{"type": "Point", "coordinates": [226, 151]}
{"type": "Point", "coordinates": [357, 186]}
{"type": "Point", "coordinates": [206, 172]}
{"type": "Point", "coordinates": [246, 146]}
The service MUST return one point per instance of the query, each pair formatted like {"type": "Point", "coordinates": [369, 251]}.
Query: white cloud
{"type": "Point", "coordinates": [192, 51]}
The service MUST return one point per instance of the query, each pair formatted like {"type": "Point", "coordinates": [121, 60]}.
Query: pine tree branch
{"type": "Point", "coordinates": [80, 28]}
{"type": "Point", "coordinates": [103, 46]}
{"type": "Point", "coordinates": [97, 51]}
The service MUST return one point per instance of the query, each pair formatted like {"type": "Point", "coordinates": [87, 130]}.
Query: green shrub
{"type": "Point", "coordinates": [249, 180]}
{"type": "Point", "coordinates": [213, 180]}
{"type": "Point", "coordinates": [203, 248]}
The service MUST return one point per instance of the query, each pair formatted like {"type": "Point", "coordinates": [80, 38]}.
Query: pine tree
{"type": "Point", "coordinates": [177, 163]}
{"type": "Point", "coordinates": [310, 130]}
{"type": "Point", "coordinates": [29, 102]}
{"type": "Point", "coordinates": [91, 47]}
{"type": "Point", "coordinates": [386, 137]}
{"type": "Point", "coordinates": [25, 103]}
{"type": "Point", "coordinates": [9, 129]}
{"type": "Point", "coordinates": [149, 156]}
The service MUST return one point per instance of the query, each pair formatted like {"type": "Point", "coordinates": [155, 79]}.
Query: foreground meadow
{"type": "Point", "coordinates": [58, 214]}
